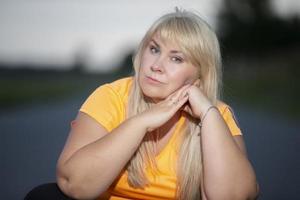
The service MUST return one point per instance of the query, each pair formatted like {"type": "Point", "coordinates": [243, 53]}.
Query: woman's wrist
{"type": "Point", "coordinates": [204, 109]}
{"type": "Point", "coordinates": [138, 122]}
{"type": "Point", "coordinates": [206, 112]}
{"type": "Point", "coordinates": [204, 115]}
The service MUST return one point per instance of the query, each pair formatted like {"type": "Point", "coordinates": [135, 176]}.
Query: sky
{"type": "Point", "coordinates": [54, 31]}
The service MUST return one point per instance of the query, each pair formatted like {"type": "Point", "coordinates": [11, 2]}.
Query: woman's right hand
{"type": "Point", "coordinates": [164, 110]}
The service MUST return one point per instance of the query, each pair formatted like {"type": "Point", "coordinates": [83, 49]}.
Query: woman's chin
{"type": "Point", "coordinates": [154, 96]}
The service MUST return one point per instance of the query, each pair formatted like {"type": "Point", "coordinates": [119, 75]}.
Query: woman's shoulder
{"type": "Point", "coordinates": [222, 106]}
{"type": "Point", "coordinates": [229, 117]}
{"type": "Point", "coordinates": [120, 86]}
{"type": "Point", "coordinates": [107, 103]}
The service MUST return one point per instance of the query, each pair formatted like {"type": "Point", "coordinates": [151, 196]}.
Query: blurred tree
{"type": "Point", "coordinates": [81, 58]}
{"type": "Point", "coordinates": [261, 54]}
{"type": "Point", "coordinates": [126, 65]}
{"type": "Point", "coordinates": [251, 26]}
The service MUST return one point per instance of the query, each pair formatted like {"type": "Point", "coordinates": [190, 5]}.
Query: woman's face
{"type": "Point", "coordinates": [164, 69]}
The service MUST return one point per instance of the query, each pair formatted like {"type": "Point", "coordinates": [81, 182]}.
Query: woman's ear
{"type": "Point", "coordinates": [197, 82]}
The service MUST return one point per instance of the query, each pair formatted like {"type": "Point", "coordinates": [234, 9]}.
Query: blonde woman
{"type": "Point", "coordinates": [164, 133]}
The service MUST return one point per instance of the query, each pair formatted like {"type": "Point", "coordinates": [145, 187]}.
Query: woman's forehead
{"type": "Point", "coordinates": [161, 40]}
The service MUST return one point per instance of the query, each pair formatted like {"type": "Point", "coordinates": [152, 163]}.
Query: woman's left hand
{"type": "Point", "coordinates": [197, 102]}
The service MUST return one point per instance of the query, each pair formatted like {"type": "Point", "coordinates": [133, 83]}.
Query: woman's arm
{"type": "Point", "coordinates": [228, 173]}
{"type": "Point", "coordinates": [92, 158]}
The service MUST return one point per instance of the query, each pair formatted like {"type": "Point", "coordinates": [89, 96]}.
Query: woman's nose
{"type": "Point", "coordinates": [157, 66]}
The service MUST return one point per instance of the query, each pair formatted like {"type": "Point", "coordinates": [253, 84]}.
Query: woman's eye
{"type": "Point", "coordinates": [154, 49]}
{"type": "Point", "coordinates": [177, 59]}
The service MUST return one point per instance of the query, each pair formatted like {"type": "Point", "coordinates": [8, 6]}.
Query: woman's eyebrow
{"type": "Point", "coordinates": [176, 51]}
{"type": "Point", "coordinates": [152, 40]}
{"type": "Point", "coordinates": [172, 51]}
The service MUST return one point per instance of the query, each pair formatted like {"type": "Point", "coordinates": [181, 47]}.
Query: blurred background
{"type": "Point", "coordinates": [53, 54]}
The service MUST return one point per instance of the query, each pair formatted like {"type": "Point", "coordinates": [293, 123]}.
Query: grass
{"type": "Point", "coordinates": [18, 90]}
{"type": "Point", "coordinates": [274, 88]}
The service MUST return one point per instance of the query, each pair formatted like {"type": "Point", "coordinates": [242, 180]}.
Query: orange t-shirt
{"type": "Point", "coordinates": [107, 105]}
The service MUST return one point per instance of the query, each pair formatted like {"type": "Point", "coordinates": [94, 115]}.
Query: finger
{"type": "Point", "coordinates": [185, 108]}
{"type": "Point", "coordinates": [177, 96]}
{"type": "Point", "coordinates": [188, 110]}
{"type": "Point", "coordinates": [185, 92]}
{"type": "Point", "coordinates": [178, 93]}
{"type": "Point", "coordinates": [180, 103]}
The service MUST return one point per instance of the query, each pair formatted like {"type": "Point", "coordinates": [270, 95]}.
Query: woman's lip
{"type": "Point", "coordinates": [153, 79]}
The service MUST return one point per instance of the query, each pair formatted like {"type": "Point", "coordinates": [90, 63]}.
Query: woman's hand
{"type": "Point", "coordinates": [197, 102]}
{"type": "Point", "coordinates": [163, 111]}
{"type": "Point", "coordinates": [190, 98]}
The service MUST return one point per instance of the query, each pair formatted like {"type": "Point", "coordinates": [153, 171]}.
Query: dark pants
{"type": "Point", "coordinates": [49, 191]}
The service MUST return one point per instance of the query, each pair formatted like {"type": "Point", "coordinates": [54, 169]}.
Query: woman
{"type": "Point", "coordinates": [164, 133]}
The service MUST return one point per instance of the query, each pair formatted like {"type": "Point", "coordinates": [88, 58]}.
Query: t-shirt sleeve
{"type": "Point", "coordinates": [105, 106]}
{"type": "Point", "coordinates": [231, 121]}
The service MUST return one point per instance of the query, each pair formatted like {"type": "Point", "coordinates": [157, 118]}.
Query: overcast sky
{"type": "Point", "coordinates": [51, 31]}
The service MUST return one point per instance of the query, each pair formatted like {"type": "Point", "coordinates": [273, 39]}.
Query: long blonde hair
{"type": "Point", "coordinates": [200, 44]}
